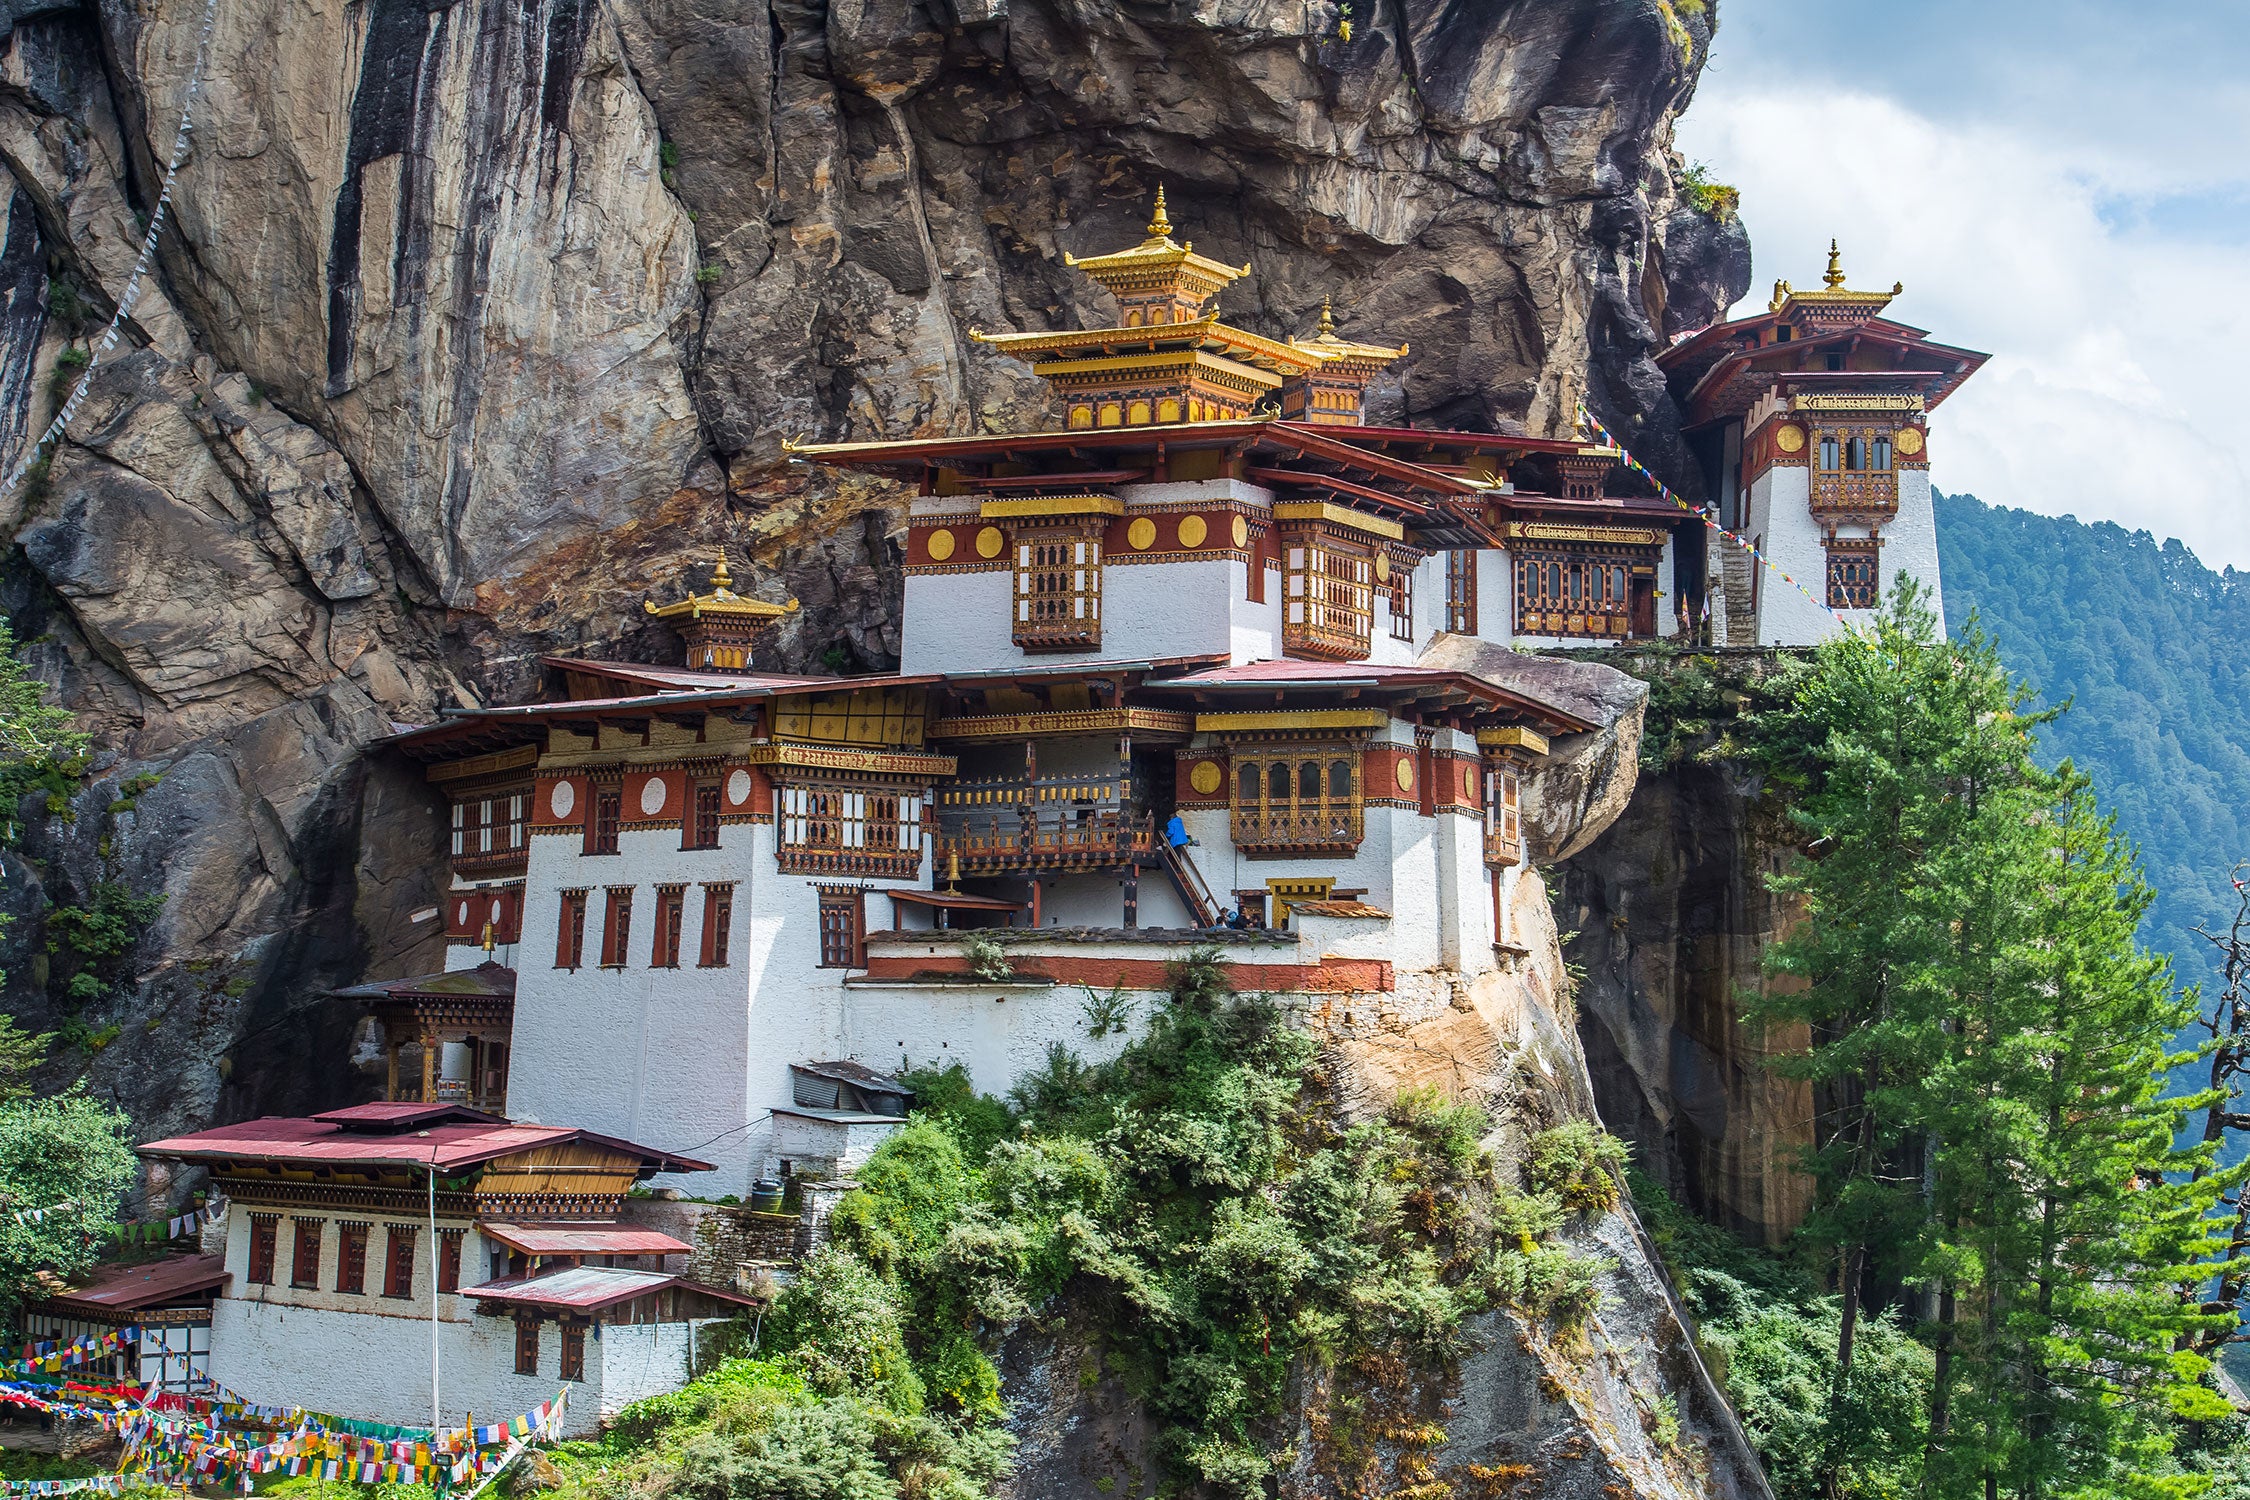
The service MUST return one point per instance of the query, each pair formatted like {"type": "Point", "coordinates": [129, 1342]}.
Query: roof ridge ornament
{"type": "Point", "coordinates": [1160, 227]}
{"type": "Point", "coordinates": [1835, 275]}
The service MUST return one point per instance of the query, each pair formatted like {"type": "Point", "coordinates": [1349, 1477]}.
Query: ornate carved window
{"type": "Point", "coordinates": [850, 830]}
{"type": "Point", "coordinates": [398, 1261]}
{"type": "Point", "coordinates": [527, 1345]}
{"type": "Point", "coordinates": [1328, 596]}
{"type": "Point", "coordinates": [1296, 798]}
{"type": "Point", "coordinates": [351, 1259]}
{"type": "Point", "coordinates": [304, 1254]}
{"type": "Point", "coordinates": [573, 1366]}
{"type": "Point", "coordinates": [1461, 592]}
{"type": "Point", "coordinates": [603, 815]}
{"type": "Point", "coordinates": [1573, 594]}
{"type": "Point", "coordinates": [703, 824]}
{"type": "Point", "coordinates": [1058, 590]}
{"type": "Point", "coordinates": [1854, 471]}
{"type": "Point", "coordinates": [449, 1259]}
{"type": "Point", "coordinates": [1854, 572]}
{"type": "Point", "coordinates": [617, 925]}
{"type": "Point", "coordinates": [265, 1239]}
{"type": "Point", "coordinates": [489, 829]}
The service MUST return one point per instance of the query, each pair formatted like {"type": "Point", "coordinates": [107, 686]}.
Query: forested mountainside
{"type": "Point", "coordinates": [2147, 645]}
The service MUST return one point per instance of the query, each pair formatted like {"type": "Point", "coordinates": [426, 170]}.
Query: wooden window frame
{"type": "Point", "coordinates": [1260, 823]}
{"type": "Point", "coordinates": [527, 1346]}
{"type": "Point", "coordinates": [571, 1363]}
{"type": "Point", "coordinates": [718, 922]}
{"type": "Point", "coordinates": [570, 931]}
{"type": "Point", "coordinates": [449, 1259]}
{"type": "Point", "coordinates": [265, 1249]}
{"type": "Point", "coordinates": [1584, 596]}
{"type": "Point", "coordinates": [1503, 813]}
{"type": "Point", "coordinates": [838, 828]}
{"type": "Point", "coordinates": [843, 927]}
{"type": "Point", "coordinates": [701, 828]}
{"type": "Point", "coordinates": [1402, 601]}
{"type": "Point", "coordinates": [1461, 591]}
{"type": "Point", "coordinates": [1845, 557]}
{"type": "Point", "coordinates": [398, 1261]}
{"type": "Point", "coordinates": [304, 1251]}
{"type": "Point", "coordinates": [1055, 603]}
{"type": "Point", "coordinates": [671, 917]}
{"type": "Point", "coordinates": [351, 1258]}
{"type": "Point", "coordinates": [617, 925]}
{"type": "Point", "coordinates": [605, 817]}
{"type": "Point", "coordinates": [1327, 596]}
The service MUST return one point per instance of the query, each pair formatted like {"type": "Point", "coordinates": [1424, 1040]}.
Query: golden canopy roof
{"type": "Point", "coordinates": [721, 603]}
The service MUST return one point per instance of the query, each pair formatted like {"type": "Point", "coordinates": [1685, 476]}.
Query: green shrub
{"type": "Point", "coordinates": [1578, 1163]}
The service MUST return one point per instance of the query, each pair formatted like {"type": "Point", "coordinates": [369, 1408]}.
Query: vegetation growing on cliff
{"type": "Point", "coordinates": [1200, 1209]}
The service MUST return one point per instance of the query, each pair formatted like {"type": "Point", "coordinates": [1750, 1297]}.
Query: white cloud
{"type": "Point", "coordinates": [2111, 393]}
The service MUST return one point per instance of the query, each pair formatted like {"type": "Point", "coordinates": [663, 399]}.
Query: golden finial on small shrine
{"type": "Point", "coordinates": [1159, 227]}
{"type": "Point", "coordinates": [1327, 315]}
{"type": "Point", "coordinates": [487, 940]}
{"type": "Point", "coordinates": [720, 577]}
{"type": "Point", "coordinates": [1835, 276]}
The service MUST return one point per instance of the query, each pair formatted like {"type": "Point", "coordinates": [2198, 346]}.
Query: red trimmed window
{"type": "Point", "coordinates": [573, 1351]}
{"type": "Point", "coordinates": [449, 1260]}
{"type": "Point", "coordinates": [703, 824]}
{"type": "Point", "coordinates": [398, 1262]}
{"type": "Point", "coordinates": [304, 1253]}
{"type": "Point", "coordinates": [1461, 592]}
{"type": "Point", "coordinates": [671, 915]}
{"type": "Point", "coordinates": [527, 1346]}
{"type": "Point", "coordinates": [843, 929]}
{"type": "Point", "coordinates": [351, 1259]}
{"type": "Point", "coordinates": [718, 918]}
{"type": "Point", "coordinates": [602, 819]}
{"type": "Point", "coordinates": [617, 925]}
{"type": "Point", "coordinates": [570, 931]}
{"type": "Point", "coordinates": [265, 1246]}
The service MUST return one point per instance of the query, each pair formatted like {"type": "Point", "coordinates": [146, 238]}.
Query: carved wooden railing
{"type": "Point", "coordinates": [1872, 491]}
{"type": "Point", "coordinates": [1041, 823]}
{"type": "Point", "coordinates": [1318, 828]}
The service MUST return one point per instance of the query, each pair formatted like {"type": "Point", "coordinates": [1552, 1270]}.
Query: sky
{"type": "Point", "coordinates": [2063, 184]}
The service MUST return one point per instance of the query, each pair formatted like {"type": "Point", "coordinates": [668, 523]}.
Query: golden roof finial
{"type": "Point", "coordinates": [1835, 276]}
{"type": "Point", "coordinates": [1327, 315]}
{"type": "Point", "coordinates": [720, 577]}
{"type": "Point", "coordinates": [1160, 227]}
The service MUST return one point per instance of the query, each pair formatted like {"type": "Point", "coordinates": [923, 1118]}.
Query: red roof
{"type": "Point", "coordinates": [405, 1114]}
{"type": "Point", "coordinates": [1293, 672]}
{"type": "Point", "coordinates": [584, 1239]}
{"type": "Point", "coordinates": [450, 1146]}
{"type": "Point", "coordinates": [128, 1289]}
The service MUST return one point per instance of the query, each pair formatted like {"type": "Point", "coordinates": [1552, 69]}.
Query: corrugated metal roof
{"type": "Point", "coordinates": [126, 1289]}
{"type": "Point", "coordinates": [591, 1288]}
{"type": "Point", "coordinates": [404, 1114]}
{"type": "Point", "coordinates": [485, 981]}
{"type": "Point", "coordinates": [584, 1239]}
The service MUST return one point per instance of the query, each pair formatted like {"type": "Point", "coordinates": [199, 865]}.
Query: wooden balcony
{"type": "Point", "coordinates": [1872, 492]}
{"type": "Point", "coordinates": [817, 860]}
{"type": "Point", "coordinates": [1325, 642]}
{"type": "Point", "coordinates": [1046, 838]}
{"type": "Point", "coordinates": [1501, 850]}
{"type": "Point", "coordinates": [1321, 828]}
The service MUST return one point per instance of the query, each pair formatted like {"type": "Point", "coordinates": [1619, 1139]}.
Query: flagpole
{"type": "Point", "coordinates": [435, 1422]}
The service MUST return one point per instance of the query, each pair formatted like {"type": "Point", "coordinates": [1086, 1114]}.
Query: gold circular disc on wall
{"type": "Point", "coordinates": [941, 544]}
{"type": "Point", "coordinates": [1405, 775]}
{"type": "Point", "coordinates": [1205, 778]}
{"type": "Point", "coordinates": [1790, 438]}
{"type": "Point", "coordinates": [1140, 534]}
{"type": "Point", "coordinates": [990, 541]}
{"type": "Point", "coordinates": [1193, 530]}
{"type": "Point", "coordinates": [1910, 440]}
{"type": "Point", "coordinates": [1382, 567]}
{"type": "Point", "coordinates": [1241, 532]}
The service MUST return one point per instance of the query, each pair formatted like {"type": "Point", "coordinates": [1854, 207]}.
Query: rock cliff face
{"type": "Point", "coordinates": [477, 318]}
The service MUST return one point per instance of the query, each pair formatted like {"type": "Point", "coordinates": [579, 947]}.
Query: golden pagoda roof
{"type": "Point", "coordinates": [1203, 333]}
{"type": "Point", "coordinates": [722, 602]}
{"type": "Point", "coordinates": [1333, 350]}
{"type": "Point", "coordinates": [1157, 261]}
{"type": "Point", "coordinates": [1834, 299]}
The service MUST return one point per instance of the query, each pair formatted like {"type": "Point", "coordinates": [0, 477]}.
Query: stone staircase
{"type": "Point", "coordinates": [1738, 625]}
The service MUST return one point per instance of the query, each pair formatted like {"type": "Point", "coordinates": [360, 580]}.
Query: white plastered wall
{"type": "Point", "coordinates": [998, 1033]}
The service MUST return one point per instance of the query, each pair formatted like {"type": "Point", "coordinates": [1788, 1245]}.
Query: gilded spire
{"type": "Point", "coordinates": [1160, 227]}
{"type": "Point", "coordinates": [1327, 315]}
{"type": "Point", "coordinates": [720, 577]}
{"type": "Point", "coordinates": [1835, 276]}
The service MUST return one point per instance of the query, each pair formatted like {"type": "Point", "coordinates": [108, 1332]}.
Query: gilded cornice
{"type": "Point", "coordinates": [1066, 721]}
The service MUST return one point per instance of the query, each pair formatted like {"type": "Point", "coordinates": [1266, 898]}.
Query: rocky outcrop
{"type": "Point", "coordinates": [1669, 917]}
{"type": "Point", "coordinates": [476, 320]}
